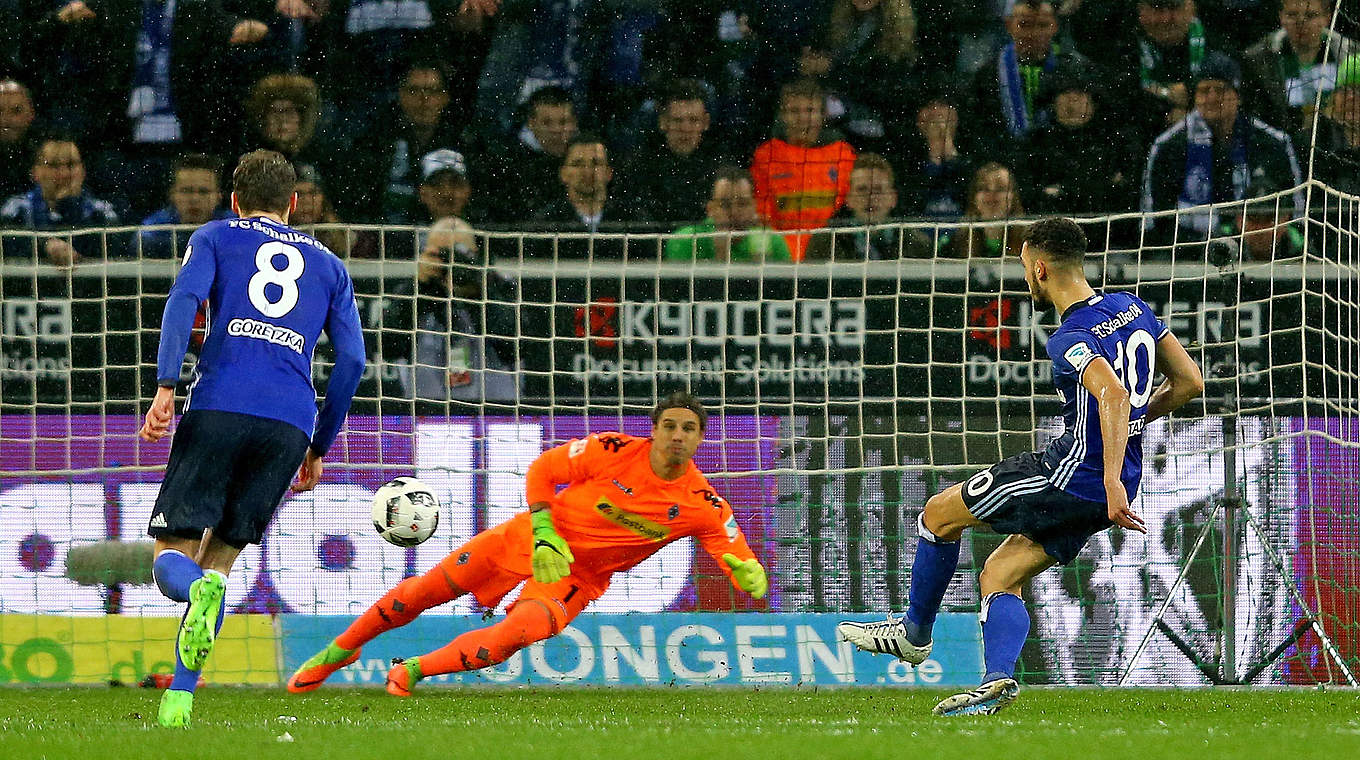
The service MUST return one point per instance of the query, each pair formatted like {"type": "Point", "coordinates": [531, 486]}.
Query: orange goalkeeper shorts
{"type": "Point", "coordinates": [495, 561]}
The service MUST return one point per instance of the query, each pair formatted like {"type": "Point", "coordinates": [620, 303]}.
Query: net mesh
{"type": "Point", "coordinates": [844, 395]}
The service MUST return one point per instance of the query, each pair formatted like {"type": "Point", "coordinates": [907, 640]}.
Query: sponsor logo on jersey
{"type": "Point", "coordinates": [635, 523]}
{"type": "Point", "coordinates": [279, 336]}
{"type": "Point", "coordinates": [1079, 355]}
{"type": "Point", "coordinates": [710, 497]}
{"type": "Point", "coordinates": [1107, 328]}
{"type": "Point", "coordinates": [622, 487]}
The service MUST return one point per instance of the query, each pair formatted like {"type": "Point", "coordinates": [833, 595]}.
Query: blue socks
{"type": "Point", "coordinates": [1005, 624]}
{"type": "Point", "coordinates": [174, 573]}
{"type": "Point", "coordinates": [931, 572]}
{"type": "Point", "coordinates": [185, 679]}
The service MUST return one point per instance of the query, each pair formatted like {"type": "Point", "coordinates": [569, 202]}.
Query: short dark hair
{"type": "Point", "coordinates": [731, 174]}
{"type": "Point", "coordinates": [803, 87]}
{"type": "Point", "coordinates": [1060, 238]}
{"type": "Point", "coordinates": [682, 90]}
{"type": "Point", "coordinates": [196, 162]}
{"type": "Point", "coordinates": [552, 95]}
{"type": "Point", "coordinates": [263, 181]}
{"type": "Point", "coordinates": [874, 162]}
{"type": "Point", "coordinates": [681, 400]}
{"type": "Point", "coordinates": [586, 138]}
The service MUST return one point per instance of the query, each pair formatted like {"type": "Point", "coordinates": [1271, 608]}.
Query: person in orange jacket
{"type": "Point", "coordinates": [801, 175]}
{"type": "Point", "coordinates": [625, 499]}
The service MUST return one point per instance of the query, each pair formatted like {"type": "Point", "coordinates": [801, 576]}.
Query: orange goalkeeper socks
{"type": "Point", "coordinates": [398, 607]}
{"type": "Point", "coordinates": [527, 622]}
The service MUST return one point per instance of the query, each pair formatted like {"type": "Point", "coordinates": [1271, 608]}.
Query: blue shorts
{"type": "Point", "coordinates": [1015, 496]}
{"type": "Point", "coordinates": [228, 472]}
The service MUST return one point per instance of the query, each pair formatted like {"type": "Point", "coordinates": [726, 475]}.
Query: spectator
{"type": "Point", "coordinates": [1262, 229]}
{"type": "Point", "coordinates": [867, 58]}
{"type": "Point", "coordinates": [525, 171]}
{"type": "Point", "coordinates": [732, 229]}
{"type": "Point", "coordinates": [1005, 107]}
{"type": "Point", "coordinates": [451, 336]}
{"type": "Point", "coordinates": [1168, 48]}
{"type": "Point", "coordinates": [386, 174]}
{"type": "Point", "coordinates": [936, 169]}
{"type": "Point", "coordinates": [802, 174]}
{"type": "Point", "coordinates": [283, 111]}
{"type": "Point", "coordinates": [1078, 162]}
{"type": "Point", "coordinates": [871, 201]}
{"type": "Point", "coordinates": [195, 198]}
{"type": "Point", "coordinates": [1283, 73]}
{"type": "Point", "coordinates": [1338, 148]}
{"type": "Point", "coordinates": [444, 186]}
{"type": "Point", "coordinates": [137, 83]}
{"type": "Point", "coordinates": [666, 179]}
{"type": "Point", "coordinates": [58, 201]}
{"type": "Point", "coordinates": [17, 137]}
{"type": "Point", "coordinates": [993, 199]}
{"type": "Point", "coordinates": [314, 207]}
{"type": "Point", "coordinates": [583, 202]}
{"type": "Point", "coordinates": [384, 36]}
{"type": "Point", "coordinates": [1214, 155]}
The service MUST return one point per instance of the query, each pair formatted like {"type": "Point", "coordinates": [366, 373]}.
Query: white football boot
{"type": "Point", "coordinates": [884, 637]}
{"type": "Point", "coordinates": [987, 699]}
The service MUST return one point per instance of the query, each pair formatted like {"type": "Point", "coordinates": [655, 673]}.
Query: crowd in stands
{"type": "Point", "coordinates": [754, 130]}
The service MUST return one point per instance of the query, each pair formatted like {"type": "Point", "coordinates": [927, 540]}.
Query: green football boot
{"type": "Point", "coordinates": [199, 631]}
{"type": "Point", "coordinates": [176, 708]}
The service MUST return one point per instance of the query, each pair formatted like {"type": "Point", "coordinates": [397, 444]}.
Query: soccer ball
{"type": "Point", "coordinates": [405, 512]}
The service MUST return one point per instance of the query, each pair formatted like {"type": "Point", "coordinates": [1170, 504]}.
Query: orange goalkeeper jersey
{"type": "Point", "coordinates": [616, 512]}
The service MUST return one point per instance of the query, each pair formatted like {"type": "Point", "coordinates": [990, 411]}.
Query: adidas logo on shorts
{"type": "Point", "coordinates": [158, 521]}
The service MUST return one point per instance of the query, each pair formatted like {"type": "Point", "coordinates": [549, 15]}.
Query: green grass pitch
{"type": "Point", "coordinates": [658, 724]}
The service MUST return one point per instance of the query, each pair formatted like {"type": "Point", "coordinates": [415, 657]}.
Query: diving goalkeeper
{"type": "Point", "coordinates": [625, 498]}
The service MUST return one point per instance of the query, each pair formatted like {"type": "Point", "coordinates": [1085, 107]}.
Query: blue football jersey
{"type": "Point", "coordinates": [1123, 330]}
{"type": "Point", "coordinates": [270, 291]}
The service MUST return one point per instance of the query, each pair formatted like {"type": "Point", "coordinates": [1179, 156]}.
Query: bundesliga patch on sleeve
{"type": "Point", "coordinates": [1079, 355]}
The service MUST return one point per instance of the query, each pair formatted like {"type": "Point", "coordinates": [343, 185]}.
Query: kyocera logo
{"type": "Point", "coordinates": [600, 321]}
{"type": "Point", "coordinates": [988, 322]}
{"type": "Point", "coordinates": [838, 323]}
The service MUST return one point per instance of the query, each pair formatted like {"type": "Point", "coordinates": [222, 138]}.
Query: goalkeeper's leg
{"type": "Point", "coordinates": [471, 568]}
{"type": "Point", "coordinates": [541, 611]}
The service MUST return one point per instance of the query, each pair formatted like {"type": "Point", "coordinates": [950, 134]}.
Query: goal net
{"type": "Point", "coordinates": [843, 395]}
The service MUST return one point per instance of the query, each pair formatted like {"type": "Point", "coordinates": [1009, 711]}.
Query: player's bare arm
{"type": "Point", "coordinates": [1184, 381]}
{"type": "Point", "coordinates": [1112, 401]}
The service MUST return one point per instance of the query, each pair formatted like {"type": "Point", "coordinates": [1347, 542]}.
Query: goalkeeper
{"type": "Point", "coordinates": [625, 498]}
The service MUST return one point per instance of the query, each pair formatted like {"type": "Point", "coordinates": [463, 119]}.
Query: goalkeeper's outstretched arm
{"type": "Point", "coordinates": [1183, 382]}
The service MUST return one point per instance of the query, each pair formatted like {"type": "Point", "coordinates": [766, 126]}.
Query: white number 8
{"type": "Point", "coordinates": [285, 278]}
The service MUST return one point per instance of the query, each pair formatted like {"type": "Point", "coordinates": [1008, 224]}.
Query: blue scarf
{"type": "Point", "coordinates": [150, 106]}
{"type": "Point", "coordinates": [1014, 106]}
{"type": "Point", "coordinates": [1198, 189]}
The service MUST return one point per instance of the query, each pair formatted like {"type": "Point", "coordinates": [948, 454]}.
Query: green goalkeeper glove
{"type": "Point", "coordinates": [749, 575]}
{"type": "Point", "coordinates": [551, 556]}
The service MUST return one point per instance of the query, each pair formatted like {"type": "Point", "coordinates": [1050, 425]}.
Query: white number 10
{"type": "Point", "coordinates": [266, 274]}
{"type": "Point", "coordinates": [1126, 367]}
